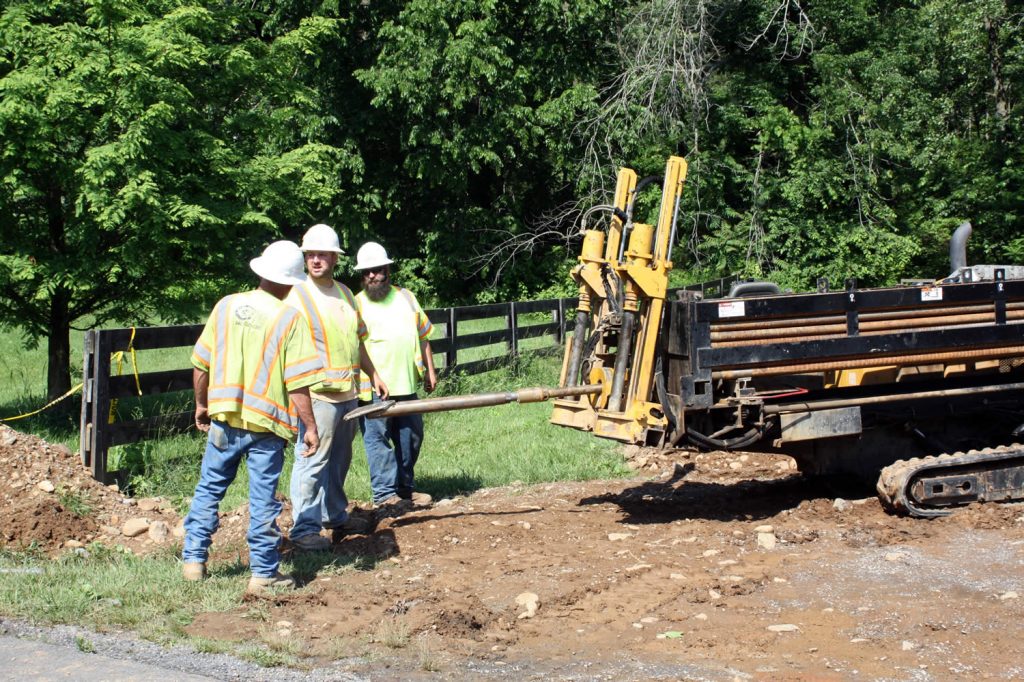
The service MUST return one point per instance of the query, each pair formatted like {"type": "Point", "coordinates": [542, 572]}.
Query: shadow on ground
{"type": "Point", "coordinates": [677, 498]}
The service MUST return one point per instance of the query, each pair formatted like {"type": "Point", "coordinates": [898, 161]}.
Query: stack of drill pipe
{"type": "Point", "coordinates": [940, 357]}
{"type": "Point", "coordinates": [794, 330]}
{"type": "Point", "coordinates": [739, 333]}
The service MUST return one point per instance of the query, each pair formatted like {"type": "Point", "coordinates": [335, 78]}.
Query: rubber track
{"type": "Point", "coordinates": [895, 480]}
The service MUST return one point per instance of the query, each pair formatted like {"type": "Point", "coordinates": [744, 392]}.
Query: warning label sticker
{"type": "Point", "coordinates": [732, 309]}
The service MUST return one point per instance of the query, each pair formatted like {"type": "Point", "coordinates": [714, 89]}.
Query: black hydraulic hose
{"type": "Point", "coordinates": [622, 357]}
{"type": "Point", "coordinates": [659, 384]}
{"type": "Point", "coordinates": [614, 293]}
{"type": "Point", "coordinates": [628, 226]}
{"type": "Point", "coordinates": [666, 406]}
{"type": "Point", "coordinates": [576, 352]}
{"type": "Point", "coordinates": [700, 440]}
{"type": "Point", "coordinates": [640, 187]}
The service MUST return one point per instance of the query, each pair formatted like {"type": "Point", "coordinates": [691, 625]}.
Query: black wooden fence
{"type": "Point", "coordinates": [102, 387]}
{"type": "Point", "coordinates": [99, 431]}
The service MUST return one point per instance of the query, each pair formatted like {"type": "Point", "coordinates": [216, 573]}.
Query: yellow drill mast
{"type": "Point", "coordinates": [621, 299]}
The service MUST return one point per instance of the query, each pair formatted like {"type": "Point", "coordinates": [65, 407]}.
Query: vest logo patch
{"type": "Point", "coordinates": [247, 316]}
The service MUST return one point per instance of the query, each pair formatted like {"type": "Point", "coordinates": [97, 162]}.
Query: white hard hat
{"type": "Point", "coordinates": [281, 262]}
{"type": "Point", "coordinates": [321, 237]}
{"type": "Point", "coordinates": [371, 255]}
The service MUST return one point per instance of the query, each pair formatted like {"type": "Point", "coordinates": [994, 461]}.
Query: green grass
{"type": "Point", "coordinates": [463, 451]}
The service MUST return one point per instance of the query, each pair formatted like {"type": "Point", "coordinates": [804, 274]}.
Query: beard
{"type": "Point", "coordinates": [378, 291]}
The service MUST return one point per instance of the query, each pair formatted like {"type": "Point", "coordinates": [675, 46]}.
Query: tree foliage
{"type": "Point", "coordinates": [476, 102]}
{"type": "Point", "coordinates": [837, 139]}
{"type": "Point", "coordinates": [148, 149]}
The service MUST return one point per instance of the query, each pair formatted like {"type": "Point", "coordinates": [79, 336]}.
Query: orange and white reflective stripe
{"type": "Point", "coordinates": [316, 325]}
{"type": "Point", "coordinates": [271, 352]}
{"type": "Point", "coordinates": [332, 373]}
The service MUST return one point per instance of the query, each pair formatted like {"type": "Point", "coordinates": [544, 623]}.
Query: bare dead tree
{"type": "Point", "coordinates": [506, 247]}
{"type": "Point", "coordinates": [757, 243]}
{"type": "Point", "coordinates": [787, 28]}
{"type": "Point", "coordinates": [667, 50]}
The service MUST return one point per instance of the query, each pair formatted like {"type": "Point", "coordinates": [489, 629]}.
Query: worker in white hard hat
{"type": "Point", "coordinates": [398, 342]}
{"type": "Point", "coordinates": [318, 475]}
{"type": "Point", "coordinates": [253, 366]}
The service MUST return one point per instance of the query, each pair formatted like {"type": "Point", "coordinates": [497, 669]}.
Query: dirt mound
{"type": "Point", "coordinates": [50, 502]}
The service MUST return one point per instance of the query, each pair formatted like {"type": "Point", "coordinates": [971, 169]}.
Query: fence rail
{"type": "Point", "coordinates": [99, 432]}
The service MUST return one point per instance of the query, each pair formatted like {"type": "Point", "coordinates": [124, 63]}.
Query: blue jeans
{"type": "Point", "coordinates": [318, 481]}
{"type": "Point", "coordinates": [392, 448]}
{"type": "Point", "coordinates": [264, 453]}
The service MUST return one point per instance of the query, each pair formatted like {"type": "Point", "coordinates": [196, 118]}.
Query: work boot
{"type": "Point", "coordinates": [353, 526]}
{"type": "Point", "coordinates": [421, 499]}
{"type": "Point", "coordinates": [314, 542]}
{"type": "Point", "coordinates": [193, 571]}
{"type": "Point", "coordinates": [393, 506]}
{"type": "Point", "coordinates": [278, 581]}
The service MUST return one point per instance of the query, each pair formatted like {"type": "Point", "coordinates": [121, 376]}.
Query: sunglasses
{"type": "Point", "coordinates": [374, 271]}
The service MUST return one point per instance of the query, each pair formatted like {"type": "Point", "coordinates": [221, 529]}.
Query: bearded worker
{"type": "Point", "coordinates": [317, 488]}
{"type": "Point", "coordinates": [398, 343]}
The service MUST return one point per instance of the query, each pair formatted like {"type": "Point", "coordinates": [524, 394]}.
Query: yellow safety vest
{"type": "Point", "coordinates": [395, 329]}
{"type": "Point", "coordinates": [336, 338]}
{"type": "Point", "coordinates": [257, 350]}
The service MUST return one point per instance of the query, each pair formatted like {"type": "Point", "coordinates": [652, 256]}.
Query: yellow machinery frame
{"type": "Point", "coordinates": [625, 409]}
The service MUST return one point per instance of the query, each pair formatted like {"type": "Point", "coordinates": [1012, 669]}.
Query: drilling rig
{"type": "Point", "coordinates": [918, 388]}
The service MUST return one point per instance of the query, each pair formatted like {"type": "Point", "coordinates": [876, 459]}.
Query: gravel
{"type": "Point", "coordinates": [178, 658]}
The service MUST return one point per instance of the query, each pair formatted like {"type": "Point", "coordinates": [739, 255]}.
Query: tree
{"type": "Point", "coordinates": [147, 148]}
{"type": "Point", "coordinates": [474, 104]}
{"type": "Point", "coordinates": [837, 138]}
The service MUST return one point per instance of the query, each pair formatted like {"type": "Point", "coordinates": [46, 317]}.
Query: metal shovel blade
{"type": "Point", "coordinates": [372, 410]}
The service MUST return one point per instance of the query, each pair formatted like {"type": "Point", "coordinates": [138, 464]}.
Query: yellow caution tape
{"type": "Point", "coordinates": [74, 389]}
{"type": "Point", "coordinates": [119, 358]}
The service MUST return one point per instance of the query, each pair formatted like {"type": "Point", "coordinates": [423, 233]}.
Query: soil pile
{"type": "Point", "coordinates": [50, 502]}
{"type": "Point", "coordinates": [715, 566]}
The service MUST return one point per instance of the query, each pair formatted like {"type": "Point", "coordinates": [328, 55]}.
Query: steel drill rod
{"type": "Point", "coordinates": [750, 336]}
{"type": "Point", "coordinates": [800, 338]}
{"type": "Point", "coordinates": [951, 357]}
{"type": "Point", "coordinates": [623, 354]}
{"type": "Point", "coordinates": [465, 402]}
{"type": "Point", "coordinates": [740, 323]}
{"type": "Point", "coordinates": [811, 406]}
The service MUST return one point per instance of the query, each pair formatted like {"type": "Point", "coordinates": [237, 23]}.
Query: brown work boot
{"type": "Point", "coordinates": [421, 499]}
{"type": "Point", "coordinates": [313, 542]}
{"type": "Point", "coordinates": [393, 506]}
{"type": "Point", "coordinates": [193, 571]}
{"type": "Point", "coordinates": [353, 525]}
{"type": "Point", "coordinates": [278, 581]}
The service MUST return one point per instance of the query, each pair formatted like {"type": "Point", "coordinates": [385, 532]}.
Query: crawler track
{"type": "Point", "coordinates": [934, 486]}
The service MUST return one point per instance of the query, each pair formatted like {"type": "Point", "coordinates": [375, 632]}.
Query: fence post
{"type": "Point", "coordinates": [560, 319]}
{"type": "Point", "coordinates": [100, 407]}
{"type": "Point", "coordinates": [85, 428]}
{"type": "Point", "coordinates": [513, 332]}
{"type": "Point", "coordinates": [452, 356]}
